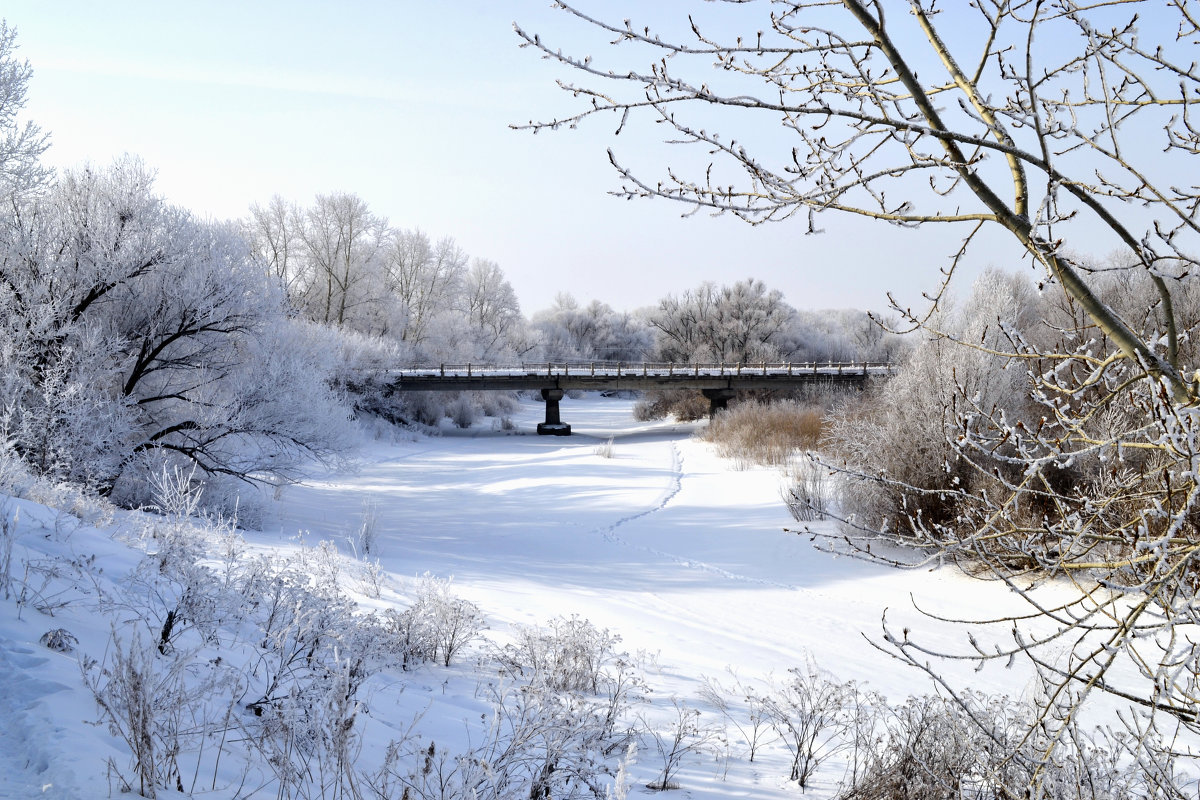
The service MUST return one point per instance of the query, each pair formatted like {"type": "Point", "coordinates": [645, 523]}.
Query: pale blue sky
{"type": "Point", "coordinates": [407, 104]}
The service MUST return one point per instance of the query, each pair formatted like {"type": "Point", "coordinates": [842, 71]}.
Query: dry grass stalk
{"type": "Point", "coordinates": [766, 433]}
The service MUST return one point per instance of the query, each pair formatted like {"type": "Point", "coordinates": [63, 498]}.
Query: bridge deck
{"type": "Point", "coordinates": [610, 375]}
{"type": "Point", "coordinates": [717, 381]}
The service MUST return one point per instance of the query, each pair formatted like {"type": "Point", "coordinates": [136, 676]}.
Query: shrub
{"type": "Point", "coordinates": [425, 408]}
{"type": "Point", "coordinates": [496, 404]}
{"type": "Point", "coordinates": [766, 433]}
{"type": "Point", "coordinates": [749, 717]}
{"type": "Point", "coordinates": [809, 712]}
{"type": "Point", "coordinates": [684, 406]}
{"type": "Point", "coordinates": [437, 626]}
{"type": "Point", "coordinates": [925, 754]}
{"type": "Point", "coordinates": [152, 704]}
{"type": "Point", "coordinates": [808, 490]}
{"type": "Point", "coordinates": [570, 655]}
{"type": "Point", "coordinates": [573, 656]}
{"type": "Point", "coordinates": [462, 411]}
{"type": "Point", "coordinates": [975, 745]}
{"type": "Point", "coordinates": [684, 736]}
{"type": "Point", "coordinates": [900, 441]}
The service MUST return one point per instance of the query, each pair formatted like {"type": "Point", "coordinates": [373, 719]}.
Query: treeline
{"type": "Point", "coordinates": [339, 264]}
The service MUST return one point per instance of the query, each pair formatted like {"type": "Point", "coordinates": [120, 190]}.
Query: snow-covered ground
{"type": "Point", "coordinates": [664, 543]}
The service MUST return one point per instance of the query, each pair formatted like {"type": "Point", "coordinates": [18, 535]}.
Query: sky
{"type": "Point", "coordinates": [408, 104]}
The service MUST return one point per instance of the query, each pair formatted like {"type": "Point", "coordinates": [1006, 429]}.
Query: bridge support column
{"type": "Point", "coordinates": [553, 426]}
{"type": "Point", "coordinates": [718, 399]}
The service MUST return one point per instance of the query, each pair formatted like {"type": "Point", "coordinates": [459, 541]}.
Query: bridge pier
{"type": "Point", "coordinates": [718, 399]}
{"type": "Point", "coordinates": [553, 426]}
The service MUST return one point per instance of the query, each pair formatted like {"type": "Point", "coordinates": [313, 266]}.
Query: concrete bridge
{"type": "Point", "coordinates": [718, 382]}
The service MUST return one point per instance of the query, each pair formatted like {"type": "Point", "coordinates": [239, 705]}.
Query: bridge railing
{"type": "Point", "coordinates": [643, 368]}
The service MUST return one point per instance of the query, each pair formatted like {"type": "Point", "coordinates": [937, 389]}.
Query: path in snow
{"type": "Point", "coordinates": [30, 764]}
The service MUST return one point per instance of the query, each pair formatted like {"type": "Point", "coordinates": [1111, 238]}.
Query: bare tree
{"type": "Point", "coordinates": [21, 145]}
{"type": "Point", "coordinates": [273, 233]}
{"type": "Point", "coordinates": [841, 78]}
{"type": "Point", "coordinates": [734, 324]}
{"type": "Point", "coordinates": [493, 313]}
{"type": "Point", "coordinates": [344, 242]}
{"type": "Point", "coordinates": [1058, 124]}
{"type": "Point", "coordinates": [427, 279]}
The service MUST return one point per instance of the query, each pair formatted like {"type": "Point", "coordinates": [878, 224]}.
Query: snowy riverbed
{"type": "Point", "coordinates": [664, 543]}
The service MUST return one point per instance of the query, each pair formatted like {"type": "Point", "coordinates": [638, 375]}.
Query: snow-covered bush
{"type": "Point", "coordinates": [536, 743]}
{"type": "Point", "coordinates": [462, 411]}
{"type": "Point", "coordinates": [161, 708]}
{"type": "Point", "coordinates": [975, 745]}
{"type": "Point", "coordinates": [410, 636]}
{"type": "Point", "coordinates": [809, 713]}
{"type": "Point", "coordinates": [925, 754]}
{"type": "Point", "coordinates": [543, 743]}
{"type": "Point", "coordinates": [496, 404]}
{"type": "Point", "coordinates": [425, 408]}
{"type": "Point", "coordinates": [744, 706]}
{"type": "Point", "coordinates": [569, 655]}
{"type": "Point", "coordinates": [807, 490]}
{"type": "Point", "coordinates": [572, 656]}
{"type": "Point", "coordinates": [411, 769]}
{"type": "Point", "coordinates": [463, 408]}
{"type": "Point", "coordinates": [310, 740]}
{"type": "Point", "coordinates": [437, 626]}
{"type": "Point", "coordinates": [605, 448]}
{"type": "Point", "coordinates": [682, 737]}
{"type": "Point", "coordinates": [904, 428]}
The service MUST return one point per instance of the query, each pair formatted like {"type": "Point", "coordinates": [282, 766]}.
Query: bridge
{"type": "Point", "coordinates": [718, 382]}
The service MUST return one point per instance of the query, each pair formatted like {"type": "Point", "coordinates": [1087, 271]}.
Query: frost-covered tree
{"type": "Point", "coordinates": [739, 323]}
{"type": "Point", "coordinates": [273, 232]}
{"type": "Point", "coordinates": [844, 335]}
{"type": "Point", "coordinates": [494, 322]}
{"type": "Point", "coordinates": [428, 280]}
{"type": "Point", "coordinates": [344, 244]}
{"type": "Point", "coordinates": [21, 143]}
{"type": "Point", "coordinates": [591, 333]}
{"type": "Point", "coordinates": [135, 332]}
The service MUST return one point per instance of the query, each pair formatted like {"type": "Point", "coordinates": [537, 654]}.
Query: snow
{"type": "Point", "coordinates": [664, 543]}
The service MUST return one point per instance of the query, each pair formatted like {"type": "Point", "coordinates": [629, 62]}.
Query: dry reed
{"type": "Point", "coordinates": [766, 433]}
